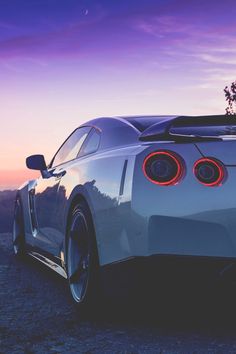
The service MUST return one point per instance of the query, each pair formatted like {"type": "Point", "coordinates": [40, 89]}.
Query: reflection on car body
{"type": "Point", "coordinates": [125, 190]}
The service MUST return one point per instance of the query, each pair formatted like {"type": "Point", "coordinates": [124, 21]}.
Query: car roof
{"type": "Point", "coordinates": [116, 131]}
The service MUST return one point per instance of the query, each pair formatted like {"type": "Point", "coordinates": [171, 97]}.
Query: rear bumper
{"type": "Point", "coordinates": [142, 274]}
{"type": "Point", "coordinates": [190, 237]}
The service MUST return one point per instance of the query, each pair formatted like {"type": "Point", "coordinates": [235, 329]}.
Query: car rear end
{"type": "Point", "coordinates": [188, 216]}
{"type": "Point", "coordinates": [183, 206]}
{"type": "Point", "coordinates": [185, 195]}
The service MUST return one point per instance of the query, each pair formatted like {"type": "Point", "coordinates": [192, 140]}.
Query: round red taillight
{"type": "Point", "coordinates": [209, 171]}
{"type": "Point", "coordinates": [163, 168]}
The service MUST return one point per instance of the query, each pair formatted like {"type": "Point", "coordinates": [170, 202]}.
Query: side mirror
{"type": "Point", "coordinates": [36, 162]}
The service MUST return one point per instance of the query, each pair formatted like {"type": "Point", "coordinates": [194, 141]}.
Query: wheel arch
{"type": "Point", "coordinates": [78, 194]}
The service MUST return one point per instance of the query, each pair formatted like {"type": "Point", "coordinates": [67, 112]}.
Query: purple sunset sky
{"type": "Point", "coordinates": [64, 61]}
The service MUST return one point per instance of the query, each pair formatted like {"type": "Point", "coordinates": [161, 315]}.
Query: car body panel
{"type": "Point", "coordinates": [132, 216]}
{"type": "Point", "coordinates": [188, 218]}
{"type": "Point", "coordinates": [225, 151]}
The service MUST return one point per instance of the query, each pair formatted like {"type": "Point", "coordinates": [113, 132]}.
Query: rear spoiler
{"type": "Point", "coordinates": [162, 130]}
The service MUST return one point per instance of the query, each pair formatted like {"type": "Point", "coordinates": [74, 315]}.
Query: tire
{"type": "Point", "coordinates": [81, 258]}
{"type": "Point", "coordinates": [18, 234]}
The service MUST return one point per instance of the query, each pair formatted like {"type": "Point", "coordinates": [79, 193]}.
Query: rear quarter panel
{"type": "Point", "coordinates": [98, 178]}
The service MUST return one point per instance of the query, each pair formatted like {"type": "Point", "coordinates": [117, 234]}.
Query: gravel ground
{"type": "Point", "coordinates": [36, 316]}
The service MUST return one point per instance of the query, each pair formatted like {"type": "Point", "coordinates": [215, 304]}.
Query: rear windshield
{"type": "Point", "coordinates": [142, 123]}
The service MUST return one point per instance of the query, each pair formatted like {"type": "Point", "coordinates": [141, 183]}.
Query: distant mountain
{"type": "Point", "coordinates": [7, 199]}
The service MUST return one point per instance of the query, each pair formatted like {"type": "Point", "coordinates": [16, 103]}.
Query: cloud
{"type": "Point", "coordinates": [206, 52]}
{"type": "Point", "coordinates": [188, 34]}
{"type": "Point", "coordinates": [161, 26]}
{"type": "Point", "coordinates": [8, 26]}
{"type": "Point", "coordinates": [21, 65]}
{"type": "Point", "coordinates": [216, 59]}
{"type": "Point", "coordinates": [51, 43]}
{"type": "Point", "coordinates": [49, 36]}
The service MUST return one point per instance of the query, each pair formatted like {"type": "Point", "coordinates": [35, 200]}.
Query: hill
{"type": "Point", "coordinates": [7, 199]}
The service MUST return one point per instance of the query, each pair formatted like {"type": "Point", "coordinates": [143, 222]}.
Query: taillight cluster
{"type": "Point", "coordinates": [163, 168]}
{"type": "Point", "coordinates": [166, 168]}
{"type": "Point", "coordinates": [209, 172]}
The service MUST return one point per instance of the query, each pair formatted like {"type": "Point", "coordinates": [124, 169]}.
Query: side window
{"type": "Point", "coordinates": [91, 144]}
{"type": "Point", "coordinates": [71, 147]}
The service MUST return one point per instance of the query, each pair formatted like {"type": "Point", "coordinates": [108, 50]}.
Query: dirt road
{"type": "Point", "coordinates": [36, 316]}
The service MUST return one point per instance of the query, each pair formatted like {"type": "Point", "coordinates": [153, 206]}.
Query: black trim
{"type": "Point", "coordinates": [85, 143]}
{"type": "Point", "coordinates": [161, 130]}
{"type": "Point", "coordinates": [122, 183]}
